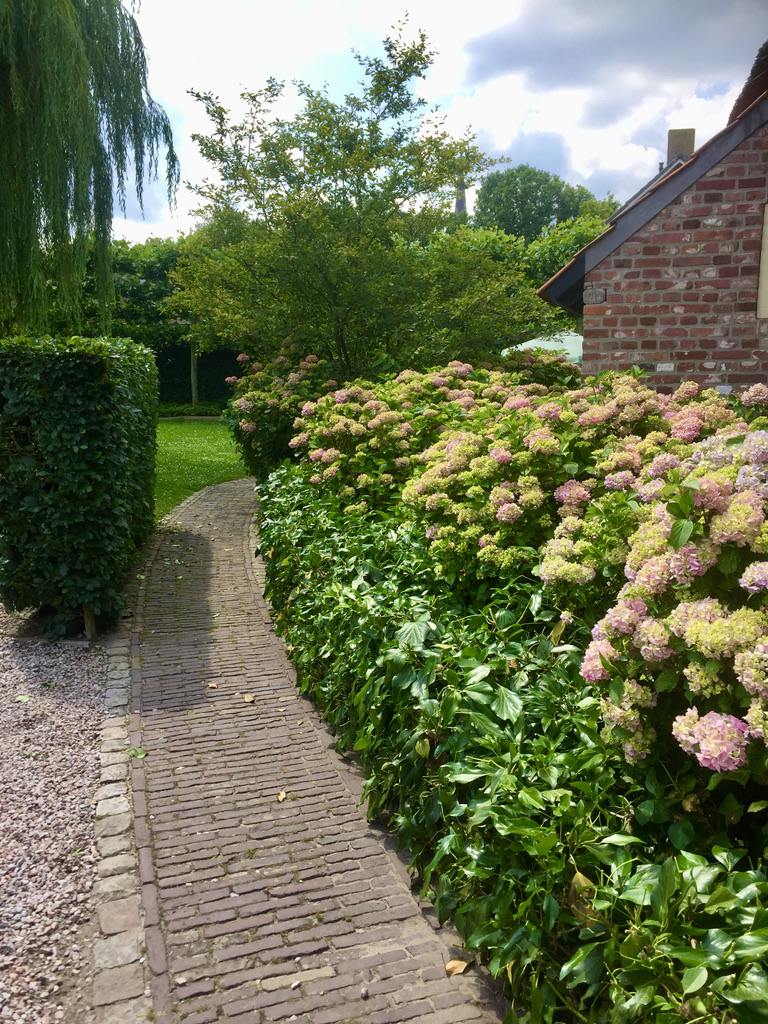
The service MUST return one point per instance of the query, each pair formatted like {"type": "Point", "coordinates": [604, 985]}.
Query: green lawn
{"type": "Point", "coordinates": [192, 454]}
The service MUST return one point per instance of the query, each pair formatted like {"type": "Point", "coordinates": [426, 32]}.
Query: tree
{"type": "Point", "coordinates": [327, 195]}
{"type": "Point", "coordinates": [524, 200]}
{"type": "Point", "coordinates": [556, 245]}
{"type": "Point", "coordinates": [75, 113]}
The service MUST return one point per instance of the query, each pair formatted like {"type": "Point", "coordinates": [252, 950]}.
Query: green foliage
{"type": "Point", "coordinates": [557, 245]}
{"type": "Point", "coordinates": [332, 192]}
{"type": "Point", "coordinates": [138, 306]}
{"type": "Point", "coordinates": [603, 209]}
{"type": "Point", "coordinates": [524, 201]}
{"type": "Point", "coordinates": [75, 112]}
{"type": "Point", "coordinates": [192, 454]}
{"type": "Point", "coordinates": [437, 562]}
{"type": "Point", "coordinates": [77, 460]}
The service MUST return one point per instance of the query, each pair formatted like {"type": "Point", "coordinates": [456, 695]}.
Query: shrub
{"type": "Point", "coordinates": [77, 456]}
{"type": "Point", "coordinates": [268, 399]}
{"type": "Point", "coordinates": [601, 888]}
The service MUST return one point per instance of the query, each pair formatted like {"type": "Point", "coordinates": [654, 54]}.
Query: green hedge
{"type": "Point", "coordinates": [77, 464]}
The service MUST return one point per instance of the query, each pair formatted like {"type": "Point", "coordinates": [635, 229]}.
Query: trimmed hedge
{"type": "Point", "coordinates": [77, 465]}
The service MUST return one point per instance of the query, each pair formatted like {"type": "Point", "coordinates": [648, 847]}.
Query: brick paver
{"type": "Point", "coordinates": [266, 894]}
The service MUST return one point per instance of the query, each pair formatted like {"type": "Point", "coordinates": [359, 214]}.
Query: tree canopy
{"type": "Point", "coordinates": [332, 200]}
{"type": "Point", "coordinates": [75, 117]}
{"type": "Point", "coordinates": [524, 201]}
{"type": "Point", "coordinates": [140, 274]}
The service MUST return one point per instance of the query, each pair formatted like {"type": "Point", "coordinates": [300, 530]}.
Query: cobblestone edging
{"type": "Point", "coordinates": [120, 983]}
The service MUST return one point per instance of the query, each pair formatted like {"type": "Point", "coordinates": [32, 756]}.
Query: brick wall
{"type": "Point", "coordinates": [681, 293]}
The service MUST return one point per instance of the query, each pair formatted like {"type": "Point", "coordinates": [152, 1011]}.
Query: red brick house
{"type": "Point", "coordinates": [678, 284]}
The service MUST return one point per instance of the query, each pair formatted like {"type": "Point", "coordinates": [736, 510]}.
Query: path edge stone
{"type": "Point", "coordinates": [120, 983]}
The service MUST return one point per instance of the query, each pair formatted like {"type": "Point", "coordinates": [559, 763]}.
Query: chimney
{"type": "Point", "coordinates": [681, 143]}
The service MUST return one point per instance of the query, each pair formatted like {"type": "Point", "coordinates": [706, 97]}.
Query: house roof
{"type": "Point", "coordinates": [566, 287]}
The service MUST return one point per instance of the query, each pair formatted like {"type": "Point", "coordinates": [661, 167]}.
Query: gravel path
{"type": "Point", "coordinates": [51, 699]}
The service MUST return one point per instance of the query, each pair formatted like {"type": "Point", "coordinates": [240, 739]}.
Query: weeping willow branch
{"type": "Point", "coordinates": [75, 115]}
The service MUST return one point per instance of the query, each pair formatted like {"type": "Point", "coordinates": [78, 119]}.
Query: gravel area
{"type": "Point", "coordinates": [51, 699]}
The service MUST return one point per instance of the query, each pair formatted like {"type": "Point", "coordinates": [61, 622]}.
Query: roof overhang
{"type": "Point", "coordinates": [566, 287]}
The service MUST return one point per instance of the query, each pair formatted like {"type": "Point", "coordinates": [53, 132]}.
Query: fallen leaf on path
{"type": "Point", "coordinates": [138, 752]}
{"type": "Point", "coordinates": [456, 967]}
{"type": "Point", "coordinates": [248, 698]}
{"type": "Point", "coordinates": [281, 796]}
{"type": "Point", "coordinates": [213, 686]}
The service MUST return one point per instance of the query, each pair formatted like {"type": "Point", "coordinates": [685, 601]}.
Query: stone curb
{"type": "Point", "coordinates": [120, 990]}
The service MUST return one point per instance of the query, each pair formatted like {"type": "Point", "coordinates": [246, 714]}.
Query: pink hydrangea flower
{"type": "Point", "coordinates": [751, 668]}
{"type": "Point", "coordinates": [508, 512]}
{"type": "Point", "coordinates": [549, 411]}
{"type": "Point", "coordinates": [756, 395]}
{"type": "Point", "coordinates": [592, 668]}
{"type": "Point", "coordinates": [755, 447]}
{"type": "Point", "coordinates": [652, 640]}
{"type": "Point", "coordinates": [624, 617]}
{"type": "Point", "coordinates": [713, 494]}
{"type": "Point", "coordinates": [651, 491]}
{"type": "Point", "coordinates": [571, 493]}
{"type": "Point", "coordinates": [686, 426]}
{"type": "Point", "coordinates": [741, 520]}
{"type": "Point", "coordinates": [623, 481]}
{"type": "Point", "coordinates": [686, 391]}
{"type": "Point", "coordinates": [542, 442]}
{"type": "Point", "coordinates": [719, 742]}
{"type": "Point", "coordinates": [662, 464]}
{"type": "Point", "coordinates": [755, 577]}
{"type": "Point", "coordinates": [502, 455]}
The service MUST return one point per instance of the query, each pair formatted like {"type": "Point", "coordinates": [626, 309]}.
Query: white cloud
{"type": "Point", "coordinates": [586, 90]}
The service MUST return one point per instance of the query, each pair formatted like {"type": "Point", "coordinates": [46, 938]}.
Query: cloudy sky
{"type": "Point", "coordinates": [586, 89]}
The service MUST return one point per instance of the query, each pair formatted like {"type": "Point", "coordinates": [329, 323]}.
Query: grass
{"type": "Point", "coordinates": [192, 454]}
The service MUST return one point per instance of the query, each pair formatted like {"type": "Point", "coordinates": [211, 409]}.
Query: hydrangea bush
{"type": "Point", "coordinates": [683, 648]}
{"type": "Point", "coordinates": [537, 611]}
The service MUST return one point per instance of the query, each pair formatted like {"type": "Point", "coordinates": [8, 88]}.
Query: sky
{"type": "Point", "coordinates": [585, 89]}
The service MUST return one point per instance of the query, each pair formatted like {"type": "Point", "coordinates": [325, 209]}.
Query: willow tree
{"type": "Point", "coordinates": [76, 118]}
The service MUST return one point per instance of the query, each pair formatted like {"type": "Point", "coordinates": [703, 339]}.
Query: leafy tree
{"type": "Point", "coordinates": [600, 208]}
{"type": "Point", "coordinates": [556, 245]}
{"type": "Point", "coordinates": [472, 296]}
{"type": "Point", "coordinates": [141, 286]}
{"type": "Point", "coordinates": [524, 201]}
{"type": "Point", "coordinates": [75, 112]}
{"type": "Point", "coordinates": [332, 196]}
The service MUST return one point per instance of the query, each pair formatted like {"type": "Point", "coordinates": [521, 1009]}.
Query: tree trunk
{"type": "Point", "coordinates": [193, 371]}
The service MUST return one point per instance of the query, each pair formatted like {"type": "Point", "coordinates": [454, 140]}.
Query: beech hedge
{"type": "Point", "coordinates": [77, 466]}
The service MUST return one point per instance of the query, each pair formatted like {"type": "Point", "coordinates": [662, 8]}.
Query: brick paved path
{"type": "Point", "coordinates": [267, 896]}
